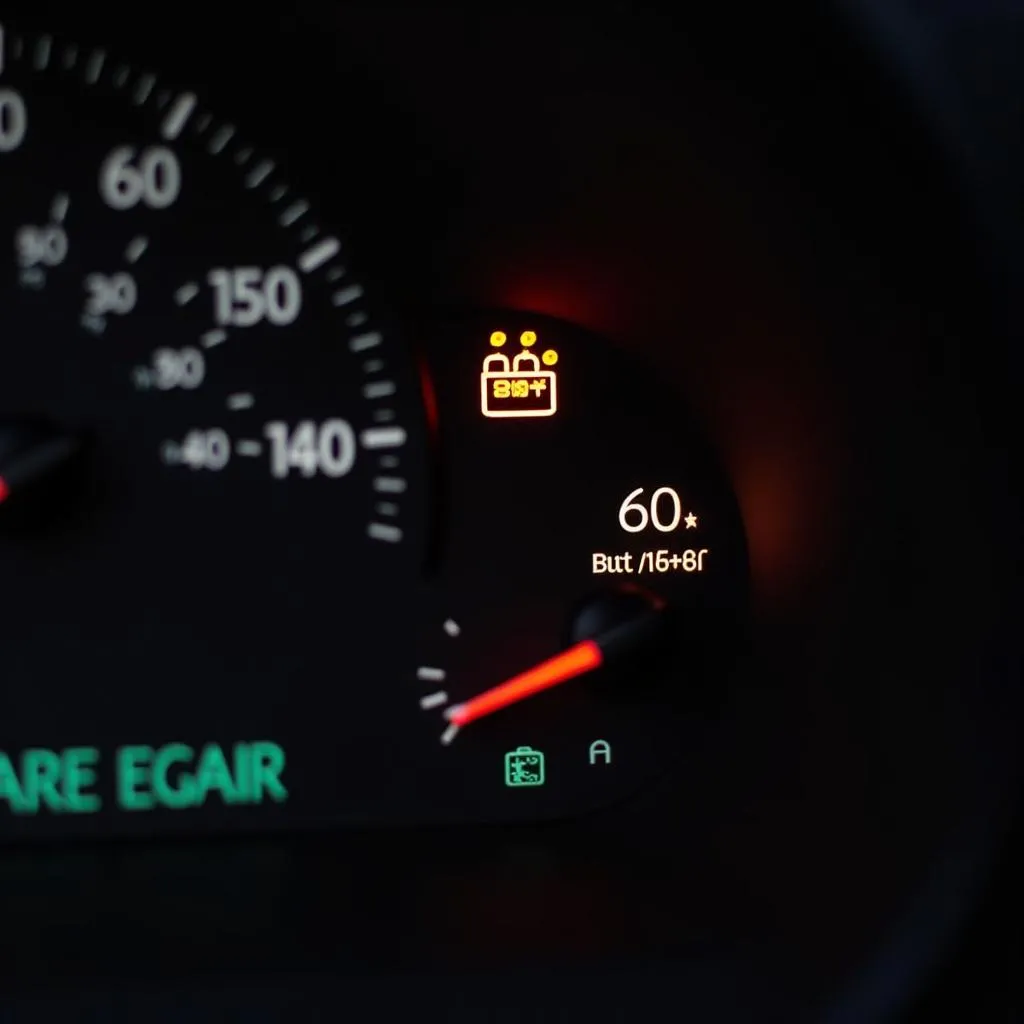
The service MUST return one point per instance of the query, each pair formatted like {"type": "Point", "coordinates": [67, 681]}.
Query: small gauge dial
{"type": "Point", "coordinates": [592, 583]}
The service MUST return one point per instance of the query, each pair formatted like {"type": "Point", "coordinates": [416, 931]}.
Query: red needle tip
{"type": "Point", "coordinates": [577, 660]}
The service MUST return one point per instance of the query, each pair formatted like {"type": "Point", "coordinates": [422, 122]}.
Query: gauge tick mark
{"type": "Point", "coordinates": [94, 67]}
{"type": "Point", "coordinates": [59, 207]}
{"type": "Point", "coordinates": [178, 116]}
{"type": "Point", "coordinates": [362, 342]}
{"type": "Point", "coordinates": [259, 174]}
{"type": "Point", "coordinates": [136, 247]}
{"type": "Point", "coordinates": [42, 54]}
{"type": "Point", "coordinates": [347, 295]}
{"type": "Point", "coordinates": [293, 213]}
{"type": "Point", "coordinates": [214, 337]}
{"type": "Point", "coordinates": [143, 89]}
{"type": "Point", "coordinates": [434, 700]}
{"type": "Point", "coordinates": [383, 437]}
{"type": "Point", "coordinates": [384, 531]}
{"type": "Point", "coordinates": [221, 139]}
{"type": "Point", "coordinates": [186, 293]}
{"type": "Point", "coordinates": [241, 400]}
{"type": "Point", "coordinates": [379, 389]}
{"type": "Point", "coordinates": [318, 255]}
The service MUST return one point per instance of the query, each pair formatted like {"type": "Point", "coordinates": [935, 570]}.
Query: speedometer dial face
{"type": "Point", "coordinates": [201, 417]}
{"type": "Point", "coordinates": [262, 566]}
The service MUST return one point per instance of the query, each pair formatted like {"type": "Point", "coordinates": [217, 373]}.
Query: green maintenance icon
{"type": "Point", "coordinates": [524, 766]}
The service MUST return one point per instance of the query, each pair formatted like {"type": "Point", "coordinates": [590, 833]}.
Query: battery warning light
{"type": "Point", "coordinates": [518, 387]}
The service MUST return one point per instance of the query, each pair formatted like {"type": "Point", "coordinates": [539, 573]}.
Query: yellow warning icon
{"type": "Point", "coordinates": [520, 388]}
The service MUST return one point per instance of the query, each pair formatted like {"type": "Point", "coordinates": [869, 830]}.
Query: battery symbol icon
{"type": "Point", "coordinates": [524, 766]}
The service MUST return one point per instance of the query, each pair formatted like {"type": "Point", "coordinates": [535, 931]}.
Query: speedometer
{"type": "Point", "coordinates": [264, 566]}
{"type": "Point", "coordinates": [210, 449]}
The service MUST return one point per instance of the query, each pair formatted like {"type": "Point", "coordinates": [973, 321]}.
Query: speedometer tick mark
{"type": "Point", "coordinates": [221, 139]}
{"type": "Point", "coordinates": [434, 700]}
{"type": "Point", "coordinates": [335, 273]}
{"type": "Point", "coordinates": [384, 531]}
{"type": "Point", "coordinates": [249, 449]}
{"type": "Point", "coordinates": [386, 508]}
{"type": "Point", "coordinates": [389, 484]}
{"type": "Point", "coordinates": [186, 293]}
{"type": "Point", "coordinates": [362, 342]}
{"type": "Point", "coordinates": [293, 213]}
{"type": "Point", "coordinates": [59, 207]}
{"type": "Point", "coordinates": [318, 255]}
{"type": "Point", "coordinates": [309, 233]}
{"type": "Point", "coordinates": [240, 400]}
{"type": "Point", "coordinates": [278, 193]}
{"type": "Point", "coordinates": [121, 76]}
{"type": "Point", "coordinates": [177, 117]}
{"type": "Point", "coordinates": [452, 628]}
{"type": "Point", "coordinates": [430, 675]}
{"type": "Point", "coordinates": [259, 174]}
{"type": "Point", "coordinates": [136, 247]}
{"type": "Point", "coordinates": [214, 337]}
{"type": "Point", "coordinates": [143, 89]}
{"type": "Point", "coordinates": [379, 389]}
{"type": "Point", "coordinates": [94, 66]}
{"type": "Point", "coordinates": [388, 462]}
{"type": "Point", "coordinates": [356, 319]}
{"type": "Point", "coordinates": [347, 295]}
{"type": "Point", "coordinates": [373, 366]}
{"type": "Point", "coordinates": [449, 734]}
{"type": "Point", "coordinates": [383, 437]}
{"type": "Point", "coordinates": [42, 54]}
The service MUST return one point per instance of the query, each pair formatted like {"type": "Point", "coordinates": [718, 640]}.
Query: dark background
{"type": "Point", "coordinates": [810, 219]}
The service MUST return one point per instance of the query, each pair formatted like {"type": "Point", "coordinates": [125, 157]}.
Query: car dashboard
{"type": "Point", "coordinates": [507, 513]}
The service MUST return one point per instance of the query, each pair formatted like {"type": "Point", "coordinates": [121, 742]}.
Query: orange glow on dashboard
{"type": "Point", "coordinates": [752, 373]}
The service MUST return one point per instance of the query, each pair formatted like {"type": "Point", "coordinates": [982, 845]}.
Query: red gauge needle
{"type": "Point", "coordinates": [577, 660]}
{"type": "Point", "coordinates": [31, 453]}
{"type": "Point", "coordinates": [608, 644]}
